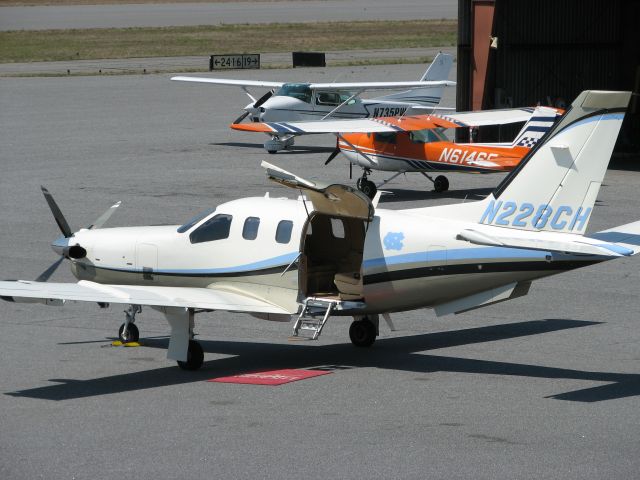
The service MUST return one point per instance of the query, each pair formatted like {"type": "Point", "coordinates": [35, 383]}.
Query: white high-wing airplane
{"type": "Point", "coordinates": [335, 254]}
{"type": "Point", "coordinates": [287, 102]}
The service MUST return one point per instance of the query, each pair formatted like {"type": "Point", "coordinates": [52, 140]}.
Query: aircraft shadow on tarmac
{"type": "Point", "coordinates": [398, 353]}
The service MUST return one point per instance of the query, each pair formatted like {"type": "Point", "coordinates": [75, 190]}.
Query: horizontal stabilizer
{"type": "Point", "coordinates": [560, 243]}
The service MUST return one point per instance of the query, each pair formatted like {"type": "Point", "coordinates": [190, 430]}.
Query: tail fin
{"type": "Point", "coordinates": [439, 68]}
{"type": "Point", "coordinates": [540, 123]}
{"type": "Point", "coordinates": [555, 186]}
{"type": "Point", "coordinates": [430, 96]}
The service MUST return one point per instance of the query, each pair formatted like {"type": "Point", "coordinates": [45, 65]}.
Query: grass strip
{"type": "Point", "coordinates": [91, 44]}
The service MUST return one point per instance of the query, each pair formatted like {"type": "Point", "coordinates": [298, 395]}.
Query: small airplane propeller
{"type": "Point", "coordinates": [333, 155]}
{"type": "Point", "coordinates": [57, 213]}
{"type": "Point", "coordinates": [61, 245]}
{"type": "Point", "coordinates": [255, 105]}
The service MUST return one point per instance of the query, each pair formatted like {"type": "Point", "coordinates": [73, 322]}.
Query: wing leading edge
{"type": "Point", "coordinates": [213, 298]}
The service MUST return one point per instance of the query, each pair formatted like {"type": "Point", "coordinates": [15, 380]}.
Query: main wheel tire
{"type": "Point", "coordinates": [369, 188]}
{"type": "Point", "coordinates": [195, 357]}
{"type": "Point", "coordinates": [362, 333]}
{"type": "Point", "coordinates": [271, 152]}
{"type": "Point", "coordinates": [441, 184]}
{"type": "Point", "coordinates": [133, 335]}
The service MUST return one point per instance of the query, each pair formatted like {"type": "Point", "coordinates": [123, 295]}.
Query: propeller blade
{"type": "Point", "coordinates": [263, 99]}
{"type": "Point", "coordinates": [44, 276]}
{"type": "Point", "coordinates": [57, 214]}
{"type": "Point", "coordinates": [333, 155]}
{"type": "Point", "coordinates": [102, 219]}
{"type": "Point", "coordinates": [241, 117]}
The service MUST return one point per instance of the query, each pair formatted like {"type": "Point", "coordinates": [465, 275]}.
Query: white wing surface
{"type": "Point", "coordinates": [22, 291]}
{"type": "Point", "coordinates": [406, 123]}
{"type": "Point", "coordinates": [226, 81]}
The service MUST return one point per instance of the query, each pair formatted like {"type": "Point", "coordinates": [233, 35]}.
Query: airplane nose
{"type": "Point", "coordinates": [59, 245]}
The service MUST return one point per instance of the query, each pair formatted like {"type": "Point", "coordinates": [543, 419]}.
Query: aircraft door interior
{"type": "Point", "coordinates": [331, 260]}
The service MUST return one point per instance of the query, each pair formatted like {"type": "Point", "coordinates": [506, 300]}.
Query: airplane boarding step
{"type": "Point", "coordinates": [314, 315]}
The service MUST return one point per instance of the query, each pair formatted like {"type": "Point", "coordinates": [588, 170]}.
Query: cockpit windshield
{"type": "Point", "coordinates": [301, 91]}
{"type": "Point", "coordinates": [428, 135]}
{"type": "Point", "coordinates": [194, 220]}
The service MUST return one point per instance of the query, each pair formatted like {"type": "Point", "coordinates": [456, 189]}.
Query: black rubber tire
{"type": "Point", "coordinates": [441, 184]}
{"type": "Point", "coordinates": [362, 333]}
{"type": "Point", "coordinates": [369, 188]}
{"type": "Point", "coordinates": [271, 152]}
{"type": "Point", "coordinates": [195, 357]}
{"type": "Point", "coordinates": [133, 335]}
{"type": "Point", "coordinates": [359, 183]}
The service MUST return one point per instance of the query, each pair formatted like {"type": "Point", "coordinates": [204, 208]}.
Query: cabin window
{"type": "Point", "coordinates": [337, 228]}
{"type": "Point", "coordinates": [329, 98]}
{"type": "Point", "coordinates": [283, 232]}
{"type": "Point", "coordinates": [385, 137]}
{"type": "Point", "coordinates": [194, 220]}
{"type": "Point", "coordinates": [427, 135]}
{"type": "Point", "coordinates": [250, 228]}
{"type": "Point", "coordinates": [301, 91]}
{"type": "Point", "coordinates": [216, 228]}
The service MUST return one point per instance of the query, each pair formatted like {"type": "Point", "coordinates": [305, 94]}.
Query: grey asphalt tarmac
{"type": "Point", "coordinates": [162, 15]}
{"type": "Point", "coordinates": [542, 387]}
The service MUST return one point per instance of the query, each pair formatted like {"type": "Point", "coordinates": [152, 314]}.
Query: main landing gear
{"type": "Point", "coordinates": [363, 331]}
{"type": "Point", "coordinates": [182, 347]}
{"type": "Point", "coordinates": [365, 185]}
{"type": "Point", "coordinates": [275, 144]}
{"type": "Point", "coordinates": [440, 183]}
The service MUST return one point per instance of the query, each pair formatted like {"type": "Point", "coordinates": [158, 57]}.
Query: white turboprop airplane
{"type": "Point", "coordinates": [336, 254]}
{"type": "Point", "coordinates": [287, 102]}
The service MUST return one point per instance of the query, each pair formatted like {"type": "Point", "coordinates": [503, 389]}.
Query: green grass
{"type": "Point", "coordinates": [89, 44]}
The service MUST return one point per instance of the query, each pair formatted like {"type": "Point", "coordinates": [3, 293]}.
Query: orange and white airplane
{"type": "Point", "coordinates": [418, 143]}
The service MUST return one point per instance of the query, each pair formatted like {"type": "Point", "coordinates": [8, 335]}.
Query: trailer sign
{"type": "Point", "coordinates": [228, 62]}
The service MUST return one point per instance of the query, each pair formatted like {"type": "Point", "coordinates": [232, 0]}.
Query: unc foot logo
{"type": "Point", "coordinates": [393, 241]}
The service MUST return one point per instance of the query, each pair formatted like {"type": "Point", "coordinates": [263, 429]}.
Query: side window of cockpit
{"type": "Point", "coordinates": [250, 228]}
{"type": "Point", "coordinates": [216, 228]}
{"type": "Point", "coordinates": [283, 232]}
{"type": "Point", "coordinates": [328, 98]}
{"type": "Point", "coordinates": [385, 137]}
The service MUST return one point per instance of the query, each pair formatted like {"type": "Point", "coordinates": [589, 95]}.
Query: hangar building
{"type": "Point", "coordinates": [529, 52]}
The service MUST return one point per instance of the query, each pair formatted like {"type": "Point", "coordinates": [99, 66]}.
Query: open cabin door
{"type": "Point", "coordinates": [332, 241]}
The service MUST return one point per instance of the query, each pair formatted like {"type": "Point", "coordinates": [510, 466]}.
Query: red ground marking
{"type": "Point", "coordinates": [273, 377]}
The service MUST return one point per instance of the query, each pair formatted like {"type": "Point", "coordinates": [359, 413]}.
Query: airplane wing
{"type": "Point", "coordinates": [225, 81]}
{"type": "Point", "coordinates": [405, 123]}
{"type": "Point", "coordinates": [362, 86]}
{"type": "Point", "coordinates": [22, 291]}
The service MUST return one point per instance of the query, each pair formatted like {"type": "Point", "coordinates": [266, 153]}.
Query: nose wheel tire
{"type": "Point", "coordinates": [362, 333]}
{"type": "Point", "coordinates": [195, 357]}
{"type": "Point", "coordinates": [133, 335]}
{"type": "Point", "coordinates": [441, 184]}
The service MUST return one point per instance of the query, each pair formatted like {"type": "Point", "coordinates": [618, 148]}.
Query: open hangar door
{"type": "Point", "coordinates": [545, 52]}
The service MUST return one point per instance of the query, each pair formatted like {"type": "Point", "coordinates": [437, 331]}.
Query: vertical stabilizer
{"type": "Point", "coordinates": [540, 123]}
{"type": "Point", "coordinates": [431, 96]}
{"type": "Point", "coordinates": [555, 186]}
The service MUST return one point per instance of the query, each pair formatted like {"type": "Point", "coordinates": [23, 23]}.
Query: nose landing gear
{"type": "Point", "coordinates": [365, 185]}
{"type": "Point", "coordinates": [128, 331]}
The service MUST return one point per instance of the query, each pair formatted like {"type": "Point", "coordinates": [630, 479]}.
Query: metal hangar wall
{"type": "Point", "coordinates": [515, 53]}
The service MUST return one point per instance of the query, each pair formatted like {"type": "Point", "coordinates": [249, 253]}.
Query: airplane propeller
{"type": "Point", "coordinates": [255, 105]}
{"type": "Point", "coordinates": [333, 155]}
{"type": "Point", "coordinates": [61, 245]}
